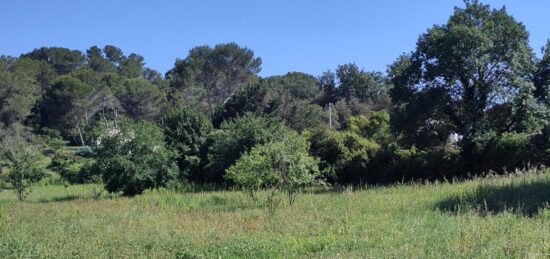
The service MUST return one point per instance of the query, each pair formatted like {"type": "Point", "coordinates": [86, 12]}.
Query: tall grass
{"type": "Point", "coordinates": [413, 220]}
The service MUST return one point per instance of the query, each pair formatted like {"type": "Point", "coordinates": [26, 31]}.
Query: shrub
{"type": "Point", "coordinates": [185, 131]}
{"type": "Point", "coordinates": [52, 140]}
{"type": "Point", "coordinates": [22, 156]}
{"type": "Point", "coordinates": [73, 169]}
{"type": "Point", "coordinates": [377, 127]}
{"type": "Point", "coordinates": [508, 151]}
{"type": "Point", "coordinates": [344, 155]}
{"type": "Point", "coordinates": [85, 151]}
{"type": "Point", "coordinates": [136, 159]}
{"type": "Point", "coordinates": [223, 147]}
{"type": "Point", "coordinates": [415, 164]}
{"type": "Point", "coordinates": [282, 165]}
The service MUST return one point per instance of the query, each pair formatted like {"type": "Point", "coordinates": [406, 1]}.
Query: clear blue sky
{"type": "Point", "coordinates": [311, 36]}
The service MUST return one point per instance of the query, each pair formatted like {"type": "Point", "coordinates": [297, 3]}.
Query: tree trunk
{"type": "Point", "coordinates": [115, 112]}
{"type": "Point", "coordinates": [80, 134]}
{"type": "Point", "coordinates": [208, 99]}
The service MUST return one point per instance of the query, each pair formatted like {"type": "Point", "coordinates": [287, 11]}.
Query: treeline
{"type": "Point", "coordinates": [471, 98]}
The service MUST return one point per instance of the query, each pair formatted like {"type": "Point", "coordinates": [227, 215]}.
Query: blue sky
{"type": "Point", "coordinates": [310, 36]}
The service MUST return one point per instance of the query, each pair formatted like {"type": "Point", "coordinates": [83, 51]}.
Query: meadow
{"type": "Point", "coordinates": [491, 217]}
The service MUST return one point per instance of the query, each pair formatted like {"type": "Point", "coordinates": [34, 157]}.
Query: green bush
{"type": "Point", "coordinates": [506, 152]}
{"type": "Point", "coordinates": [74, 169]}
{"type": "Point", "coordinates": [136, 159]}
{"type": "Point", "coordinates": [414, 164]}
{"type": "Point", "coordinates": [185, 131]}
{"type": "Point", "coordinates": [282, 165]}
{"type": "Point", "coordinates": [85, 151]}
{"type": "Point", "coordinates": [237, 136]}
{"type": "Point", "coordinates": [344, 155]}
{"type": "Point", "coordinates": [21, 157]}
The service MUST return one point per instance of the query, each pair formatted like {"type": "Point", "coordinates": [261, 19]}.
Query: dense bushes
{"type": "Point", "coordinates": [224, 146]}
{"type": "Point", "coordinates": [185, 131]}
{"type": "Point", "coordinates": [453, 113]}
{"type": "Point", "coordinates": [74, 168]}
{"type": "Point", "coordinates": [284, 165]}
{"type": "Point", "coordinates": [136, 159]}
{"type": "Point", "coordinates": [21, 156]}
{"type": "Point", "coordinates": [344, 155]}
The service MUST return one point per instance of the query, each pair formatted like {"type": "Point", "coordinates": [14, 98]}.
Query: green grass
{"type": "Point", "coordinates": [503, 217]}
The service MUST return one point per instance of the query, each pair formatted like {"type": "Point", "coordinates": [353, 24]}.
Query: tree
{"type": "Point", "coordinates": [283, 165]}
{"type": "Point", "coordinates": [21, 154]}
{"type": "Point", "coordinates": [366, 86]}
{"type": "Point", "coordinates": [235, 137]}
{"type": "Point", "coordinates": [344, 155]}
{"type": "Point", "coordinates": [186, 131]}
{"type": "Point", "coordinates": [113, 54]}
{"type": "Point", "coordinates": [290, 97]}
{"type": "Point", "coordinates": [214, 74]}
{"type": "Point", "coordinates": [71, 104]}
{"type": "Point", "coordinates": [63, 60]}
{"type": "Point", "coordinates": [140, 99]}
{"type": "Point", "coordinates": [542, 76]}
{"type": "Point", "coordinates": [479, 59]}
{"type": "Point", "coordinates": [132, 66]}
{"type": "Point", "coordinates": [135, 159]}
{"type": "Point", "coordinates": [252, 98]}
{"type": "Point", "coordinates": [18, 95]}
{"type": "Point", "coordinates": [376, 127]}
{"type": "Point", "coordinates": [327, 82]}
{"type": "Point", "coordinates": [97, 62]}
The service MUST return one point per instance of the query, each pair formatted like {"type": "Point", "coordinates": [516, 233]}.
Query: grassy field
{"type": "Point", "coordinates": [504, 217]}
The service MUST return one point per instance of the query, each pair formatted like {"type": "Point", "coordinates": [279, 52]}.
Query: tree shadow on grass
{"type": "Point", "coordinates": [61, 199]}
{"type": "Point", "coordinates": [526, 197]}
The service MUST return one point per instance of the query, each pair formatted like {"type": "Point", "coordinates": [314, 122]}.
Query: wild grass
{"type": "Point", "coordinates": [499, 217]}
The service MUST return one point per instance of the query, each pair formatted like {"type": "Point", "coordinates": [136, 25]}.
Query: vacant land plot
{"type": "Point", "coordinates": [505, 217]}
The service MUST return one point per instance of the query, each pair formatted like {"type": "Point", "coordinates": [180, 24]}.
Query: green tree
{"type": "Point", "coordinates": [235, 137]}
{"type": "Point", "coordinates": [186, 131]}
{"type": "Point", "coordinates": [62, 60]}
{"type": "Point", "coordinates": [479, 59]}
{"type": "Point", "coordinates": [377, 127]}
{"type": "Point", "coordinates": [542, 76]}
{"type": "Point", "coordinates": [344, 155]}
{"type": "Point", "coordinates": [97, 61]}
{"type": "Point", "coordinates": [290, 97]}
{"type": "Point", "coordinates": [135, 159]}
{"type": "Point", "coordinates": [18, 95]}
{"type": "Point", "coordinates": [284, 165]}
{"type": "Point", "coordinates": [366, 86]}
{"type": "Point", "coordinates": [113, 54]}
{"type": "Point", "coordinates": [140, 99]}
{"type": "Point", "coordinates": [132, 66]}
{"type": "Point", "coordinates": [212, 75]}
{"type": "Point", "coordinates": [19, 151]}
{"type": "Point", "coordinates": [327, 82]}
{"type": "Point", "coordinates": [70, 104]}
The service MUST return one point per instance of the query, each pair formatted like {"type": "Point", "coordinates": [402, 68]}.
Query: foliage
{"type": "Point", "coordinates": [140, 99]}
{"type": "Point", "coordinates": [18, 94]}
{"type": "Point", "coordinates": [344, 155]}
{"type": "Point", "coordinates": [376, 127]}
{"type": "Point", "coordinates": [283, 165]}
{"type": "Point", "coordinates": [235, 137]}
{"type": "Point", "coordinates": [20, 155]}
{"type": "Point", "coordinates": [212, 75]}
{"type": "Point", "coordinates": [69, 104]}
{"type": "Point", "coordinates": [135, 159]}
{"type": "Point", "coordinates": [478, 59]}
{"type": "Point", "coordinates": [73, 168]}
{"type": "Point", "coordinates": [186, 131]}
